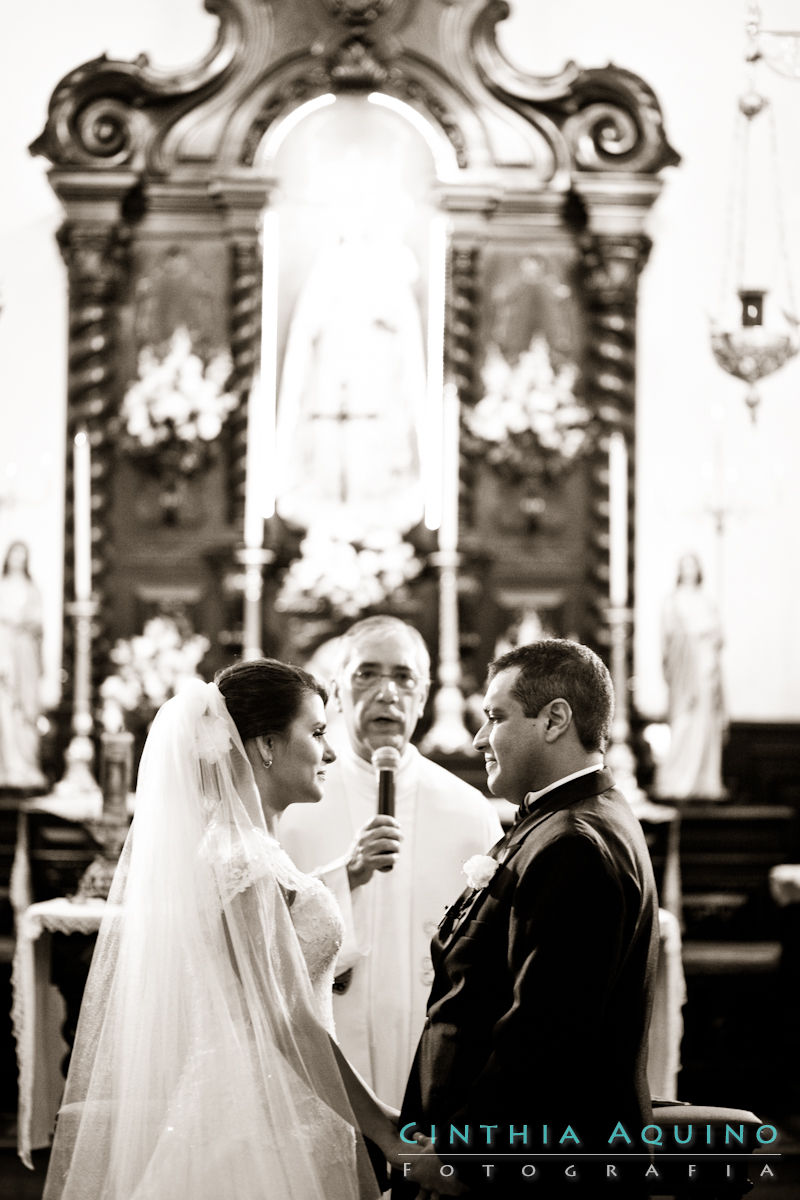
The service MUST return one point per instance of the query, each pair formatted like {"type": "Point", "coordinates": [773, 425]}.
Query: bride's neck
{"type": "Point", "coordinates": [270, 818]}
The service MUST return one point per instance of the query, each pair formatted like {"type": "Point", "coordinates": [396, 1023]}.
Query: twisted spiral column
{"type": "Point", "coordinates": [461, 347]}
{"type": "Point", "coordinates": [245, 337]}
{"type": "Point", "coordinates": [610, 271]}
{"type": "Point", "coordinates": [97, 262]}
{"type": "Point", "coordinates": [448, 733]}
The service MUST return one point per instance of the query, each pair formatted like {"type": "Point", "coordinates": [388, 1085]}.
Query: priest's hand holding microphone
{"type": "Point", "coordinates": [377, 843]}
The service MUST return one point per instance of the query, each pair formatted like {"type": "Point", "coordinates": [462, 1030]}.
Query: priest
{"type": "Point", "coordinates": [394, 876]}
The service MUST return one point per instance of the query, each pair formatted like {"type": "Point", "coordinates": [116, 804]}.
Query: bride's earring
{"type": "Point", "coordinates": [267, 762]}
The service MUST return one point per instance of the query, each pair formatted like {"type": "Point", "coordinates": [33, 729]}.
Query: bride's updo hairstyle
{"type": "Point", "coordinates": [263, 696]}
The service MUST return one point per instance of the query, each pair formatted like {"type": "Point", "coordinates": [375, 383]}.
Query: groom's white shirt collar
{"type": "Point", "coordinates": [532, 797]}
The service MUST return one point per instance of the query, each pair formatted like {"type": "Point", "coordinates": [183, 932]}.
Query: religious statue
{"type": "Point", "coordinates": [691, 646]}
{"type": "Point", "coordinates": [352, 398]}
{"type": "Point", "coordinates": [20, 672]}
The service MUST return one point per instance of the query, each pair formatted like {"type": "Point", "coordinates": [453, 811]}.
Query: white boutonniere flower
{"type": "Point", "coordinates": [479, 870]}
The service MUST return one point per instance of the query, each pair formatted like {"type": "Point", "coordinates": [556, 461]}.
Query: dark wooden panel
{"type": "Point", "coordinates": [761, 762]}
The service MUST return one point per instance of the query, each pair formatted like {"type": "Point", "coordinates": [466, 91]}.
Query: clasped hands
{"type": "Point", "coordinates": [426, 1172]}
{"type": "Point", "coordinates": [376, 847]}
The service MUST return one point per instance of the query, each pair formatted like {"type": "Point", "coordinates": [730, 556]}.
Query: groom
{"type": "Point", "coordinates": [540, 1004]}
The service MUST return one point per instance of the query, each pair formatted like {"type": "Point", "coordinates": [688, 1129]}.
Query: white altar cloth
{"type": "Point", "coordinates": [37, 1014]}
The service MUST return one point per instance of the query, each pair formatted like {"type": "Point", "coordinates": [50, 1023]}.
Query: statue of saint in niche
{"type": "Point", "coordinates": [353, 392]}
{"type": "Point", "coordinates": [691, 655]}
{"type": "Point", "coordinates": [20, 671]}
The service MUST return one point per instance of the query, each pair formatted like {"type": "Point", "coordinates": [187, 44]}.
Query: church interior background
{"type": "Point", "coordinates": [391, 306]}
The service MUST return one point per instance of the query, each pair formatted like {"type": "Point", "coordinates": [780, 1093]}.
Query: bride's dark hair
{"type": "Point", "coordinates": [263, 696]}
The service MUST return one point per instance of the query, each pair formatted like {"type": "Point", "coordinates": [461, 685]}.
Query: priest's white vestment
{"type": "Point", "coordinates": [390, 919]}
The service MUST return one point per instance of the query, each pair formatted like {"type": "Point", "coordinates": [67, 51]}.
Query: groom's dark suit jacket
{"type": "Point", "coordinates": [540, 1005]}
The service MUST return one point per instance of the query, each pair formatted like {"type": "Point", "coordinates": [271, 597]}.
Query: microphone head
{"type": "Point", "coordinates": [386, 758]}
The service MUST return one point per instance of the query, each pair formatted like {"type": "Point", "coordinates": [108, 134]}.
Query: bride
{"type": "Point", "coordinates": [204, 1064]}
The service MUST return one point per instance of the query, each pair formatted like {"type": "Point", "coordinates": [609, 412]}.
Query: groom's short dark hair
{"type": "Point", "coordinates": [558, 668]}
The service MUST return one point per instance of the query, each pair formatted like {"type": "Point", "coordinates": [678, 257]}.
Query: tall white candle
{"type": "Point", "coordinates": [253, 506]}
{"type": "Point", "coordinates": [448, 529]}
{"type": "Point", "coordinates": [431, 427]}
{"type": "Point", "coordinates": [82, 514]}
{"type": "Point", "coordinates": [618, 519]}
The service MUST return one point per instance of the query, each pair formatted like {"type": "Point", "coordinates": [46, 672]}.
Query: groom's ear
{"type": "Point", "coordinates": [558, 718]}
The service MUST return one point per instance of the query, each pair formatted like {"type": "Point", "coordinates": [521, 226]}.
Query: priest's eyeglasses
{"type": "Point", "coordinates": [367, 677]}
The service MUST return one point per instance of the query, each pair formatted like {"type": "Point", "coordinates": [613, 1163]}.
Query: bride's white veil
{"type": "Point", "coordinates": [199, 1070]}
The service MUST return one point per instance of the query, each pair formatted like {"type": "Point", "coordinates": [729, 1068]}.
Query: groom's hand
{"type": "Point", "coordinates": [426, 1171]}
{"type": "Point", "coordinates": [376, 846]}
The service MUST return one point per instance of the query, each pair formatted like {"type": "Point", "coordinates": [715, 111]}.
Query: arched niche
{"type": "Point", "coordinates": [353, 296]}
{"type": "Point", "coordinates": [542, 186]}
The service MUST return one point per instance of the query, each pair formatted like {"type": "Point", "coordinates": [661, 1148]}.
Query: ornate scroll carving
{"type": "Point", "coordinates": [444, 60]}
{"type": "Point", "coordinates": [610, 272]}
{"type": "Point", "coordinates": [355, 64]}
{"type": "Point", "coordinates": [291, 93]}
{"type": "Point", "coordinates": [97, 263]}
{"type": "Point", "coordinates": [416, 91]}
{"type": "Point", "coordinates": [358, 12]}
{"type": "Point", "coordinates": [107, 114]}
{"type": "Point", "coordinates": [608, 118]}
{"type": "Point", "coordinates": [613, 122]}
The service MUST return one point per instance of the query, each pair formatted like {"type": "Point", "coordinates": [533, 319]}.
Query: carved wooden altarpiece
{"type": "Point", "coordinates": [546, 184]}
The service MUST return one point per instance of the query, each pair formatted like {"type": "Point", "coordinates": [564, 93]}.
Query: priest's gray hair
{"type": "Point", "coordinates": [381, 623]}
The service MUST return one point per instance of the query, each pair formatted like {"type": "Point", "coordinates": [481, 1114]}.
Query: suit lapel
{"type": "Point", "coordinates": [575, 790]}
{"type": "Point", "coordinates": [470, 898]}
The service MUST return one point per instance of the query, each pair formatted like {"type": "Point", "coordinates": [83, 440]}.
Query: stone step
{"type": "Point", "coordinates": [730, 958]}
{"type": "Point", "coordinates": [714, 902]}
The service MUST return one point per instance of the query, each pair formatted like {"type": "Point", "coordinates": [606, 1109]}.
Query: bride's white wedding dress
{"type": "Point", "coordinates": [314, 912]}
{"type": "Point", "coordinates": [203, 1067]}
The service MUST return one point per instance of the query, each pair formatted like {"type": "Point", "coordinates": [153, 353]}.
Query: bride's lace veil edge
{"type": "Point", "coordinates": [199, 1068]}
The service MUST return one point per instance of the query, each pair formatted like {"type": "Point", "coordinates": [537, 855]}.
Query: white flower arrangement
{"type": "Point", "coordinates": [480, 870]}
{"type": "Point", "coordinates": [150, 668]}
{"type": "Point", "coordinates": [178, 396]}
{"type": "Point", "coordinates": [338, 578]}
{"type": "Point", "coordinates": [529, 420]}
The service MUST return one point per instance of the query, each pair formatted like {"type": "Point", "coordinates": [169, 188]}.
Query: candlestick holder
{"type": "Point", "coordinates": [111, 829]}
{"type": "Point", "coordinates": [79, 757]}
{"type": "Point", "coordinates": [253, 559]}
{"type": "Point", "coordinates": [448, 734]}
{"type": "Point", "coordinates": [619, 757]}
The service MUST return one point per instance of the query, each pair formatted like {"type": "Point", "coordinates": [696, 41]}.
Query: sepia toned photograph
{"type": "Point", "coordinates": [399, 662]}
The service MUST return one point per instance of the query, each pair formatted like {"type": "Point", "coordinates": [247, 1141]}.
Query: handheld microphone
{"type": "Point", "coordinates": [385, 760]}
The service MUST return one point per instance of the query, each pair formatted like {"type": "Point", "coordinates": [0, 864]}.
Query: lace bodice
{"type": "Point", "coordinates": [315, 914]}
{"type": "Point", "coordinates": [319, 927]}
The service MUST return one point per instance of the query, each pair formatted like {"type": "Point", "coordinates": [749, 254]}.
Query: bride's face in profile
{"type": "Point", "coordinates": [299, 757]}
